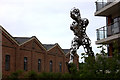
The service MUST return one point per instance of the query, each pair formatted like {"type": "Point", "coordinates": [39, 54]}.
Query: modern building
{"type": "Point", "coordinates": [28, 53]}
{"type": "Point", "coordinates": [109, 34]}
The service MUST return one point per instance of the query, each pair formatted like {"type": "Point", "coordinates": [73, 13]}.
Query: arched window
{"type": "Point", "coordinates": [39, 65]}
{"type": "Point", "coordinates": [7, 62]}
{"type": "Point", "coordinates": [60, 67]}
{"type": "Point", "coordinates": [51, 66]}
{"type": "Point", "coordinates": [25, 63]}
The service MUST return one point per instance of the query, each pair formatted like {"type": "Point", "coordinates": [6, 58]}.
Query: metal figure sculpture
{"type": "Point", "coordinates": [79, 27]}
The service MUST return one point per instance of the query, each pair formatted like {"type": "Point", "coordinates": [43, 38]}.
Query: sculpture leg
{"type": "Point", "coordinates": [87, 46]}
{"type": "Point", "coordinates": [74, 46]}
{"type": "Point", "coordinates": [71, 57]}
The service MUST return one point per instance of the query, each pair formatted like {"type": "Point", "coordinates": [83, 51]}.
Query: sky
{"type": "Point", "coordinates": [48, 20]}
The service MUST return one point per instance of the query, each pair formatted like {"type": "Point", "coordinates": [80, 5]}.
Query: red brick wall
{"type": "Point", "coordinates": [57, 56]}
{"type": "Point", "coordinates": [24, 53]}
{"type": "Point", "coordinates": [33, 50]}
{"type": "Point", "coordinates": [33, 53]}
{"type": "Point", "coordinates": [48, 59]}
{"type": "Point", "coordinates": [8, 48]}
{"type": "Point", "coordinates": [35, 58]}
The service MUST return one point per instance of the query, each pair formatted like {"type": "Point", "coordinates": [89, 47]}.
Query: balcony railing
{"type": "Point", "coordinates": [109, 30]}
{"type": "Point", "coordinates": [102, 3]}
{"type": "Point", "coordinates": [101, 33]}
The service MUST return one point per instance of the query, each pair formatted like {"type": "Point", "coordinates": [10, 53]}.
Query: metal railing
{"type": "Point", "coordinates": [102, 3]}
{"type": "Point", "coordinates": [101, 33]}
{"type": "Point", "coordinates": [109, 30]}
{"type": "Point", "coordinates": [113, 28]}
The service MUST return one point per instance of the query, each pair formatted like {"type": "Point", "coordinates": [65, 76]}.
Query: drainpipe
{"type": "Point", "coordinates": [31, 58]}
{"type": "Point", "coordinates": [15, 58]}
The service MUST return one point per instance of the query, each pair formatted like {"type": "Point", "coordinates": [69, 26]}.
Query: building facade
{"type": "Point", "coordinates": [28, 53]}
{"type": "Point", "coordinates": [109, 34]}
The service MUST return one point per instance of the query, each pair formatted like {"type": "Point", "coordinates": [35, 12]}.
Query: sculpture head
{"type": "Point", "coordinates": [75, 14]}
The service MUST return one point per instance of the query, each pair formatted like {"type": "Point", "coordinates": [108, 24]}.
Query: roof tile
{"type": "Point", "coordinates": [21, 40]}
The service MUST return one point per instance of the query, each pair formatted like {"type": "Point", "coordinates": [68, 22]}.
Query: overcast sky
{"type": "Point", "coordinates": [48, 20]}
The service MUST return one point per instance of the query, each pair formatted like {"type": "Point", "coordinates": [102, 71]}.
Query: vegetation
{"type": "Point", "coordinates": [15, 75]}
{"type": "Point", "coordinates": [100, 66]}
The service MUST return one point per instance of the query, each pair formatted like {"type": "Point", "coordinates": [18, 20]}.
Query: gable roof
{"type": "Point", "coordinates": [21, 40]}
{"type": "Point", "coordinates": [34, 37]}
{"type": "Point", "coordinates": [10, 36]}
{"type": "Point", "coordinates": [48, 46]}
{"type": "Point", "coordinates": [60, 48]}
{"type": "Point", "coordinates": [66, 51]}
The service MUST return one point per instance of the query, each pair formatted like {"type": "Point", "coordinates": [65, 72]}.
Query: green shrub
{"type": "Point", "coordinates": [66, 76]}
{"type": "Point", "coordinates": [46, 75]}
{"type": "Point", "coordinates": [32, 75]}
{"type": "Point", "coordinates": [15, 75]}
{"type": "Point", "coordinates": [72, 68]}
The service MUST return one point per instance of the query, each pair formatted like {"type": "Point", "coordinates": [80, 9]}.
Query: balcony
{"type": "Point", "coordinates": [101, 33]}
{"type": "Point", "coordinates": [108, 32]}
{"type": "Point", "coordinates": [106, 7]}
{"type": "Point", "coordinates": [102, 3]}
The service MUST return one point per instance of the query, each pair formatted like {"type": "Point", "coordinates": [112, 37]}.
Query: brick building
{"type": "Point", "coordinates": [28, 53]}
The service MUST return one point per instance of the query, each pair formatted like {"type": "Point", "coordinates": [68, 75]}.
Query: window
{"type": "Point", "coordinates": [25, 63]}
{"type": "Point", "coordinates": [60, 67]}
{"type": "Point", "coordinates": [7, 62]}
{"type": "Point", "coordinates": [39, 65]}
{"type": "Point", "coordinates": [50, 66]}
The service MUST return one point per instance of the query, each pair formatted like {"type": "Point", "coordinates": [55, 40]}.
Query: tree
{"type": "Point", "coordinates": [103, 66]}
